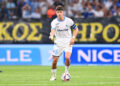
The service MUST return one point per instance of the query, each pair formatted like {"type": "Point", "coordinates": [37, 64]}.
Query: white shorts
{"type": "Point", "coordinates": [58, 50]}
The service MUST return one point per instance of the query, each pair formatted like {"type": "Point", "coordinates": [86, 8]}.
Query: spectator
{"type": "Point", "coordinates": [57, 2]}
{"type": "Point", "coordinates": [118, 11]}
{"type": "Point", "coordinates": [98, 12]}
{"type": "Point", "coordinates": [95, 3]}
{"type": "Point", "coordinates": [109, 14]}
{"type": "Point", "coordinates": [108, 4]}
{"type": "Point", "coordinates": [44, 7]}
{"type": "Point", "coordinates": [88, 2]}
{"type": "Point", "coordinates": [77, 9]}
{"type": "Point", "coordinates": [51, 12]}
{"type": "Point", "coordinates": [51, 2]}
{"type": "Point", "coordinates": [10, 5]}
{"type": "Point", "coordinates": [118, 4]}
{"type": "Point", "coordinates": [114, 10]}
{"type": "Point", "coordinates": [4, 11]}
{"type": "Point", "coordinates": [36, 14]}
{"type": "Point", "coordinates": [1, 1]}
{"type": "Point", "coordinates": [70, 8]}
{"type": "Point", "coordinates": [29, 2]}
{"type": "Point", "coordinates": [12, 15]}
{"type": "Point", "coordinates": [21, 3]}
{"type": "Point", "coordinates": [26, 11]}
{"type": "Point", "coordinates": [89, 13]}
{"type": "Point", "coordinates": [35, 4]}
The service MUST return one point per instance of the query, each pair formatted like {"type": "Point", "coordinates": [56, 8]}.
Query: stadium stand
{"type": "Point", "coordinates": [12, 9]}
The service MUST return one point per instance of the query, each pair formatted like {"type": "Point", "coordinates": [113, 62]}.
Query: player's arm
{"type": "Point", "coordinates": [74, 34]}
{"type": "Point", "coordinates": [52, 33]}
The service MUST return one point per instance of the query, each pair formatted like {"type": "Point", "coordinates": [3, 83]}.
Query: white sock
{"type": "Point", "coordinates": [54, 71]}
{"type": "Point", "coordinates": [66, 69]}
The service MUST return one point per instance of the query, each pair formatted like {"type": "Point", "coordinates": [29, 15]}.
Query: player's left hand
{"type": "Point", "coordinates": [72, 41]}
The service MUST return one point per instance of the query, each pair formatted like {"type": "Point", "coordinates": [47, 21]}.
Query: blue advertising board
{"type": "Point", "coordinates": [25, 54]}
{"type": "Point", "coordinates": [18, 54]}
{"type": "Point", "coordinates": [95, 55]}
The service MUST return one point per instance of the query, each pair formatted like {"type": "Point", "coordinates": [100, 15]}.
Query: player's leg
{"type": "Point", "coordinates": [54, 64]}
{"type": "Point", "coordinates": [54, 68]}
{"type": "Point", "coordinates": [68, 52]}
{"type": "Point", "coordinates": [56, 53]}
{"type": "Point", "coordinates": [67, 61]}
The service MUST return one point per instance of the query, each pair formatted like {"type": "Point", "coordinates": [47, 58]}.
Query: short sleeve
{"type": "Point", "coordinates": [72, 24]}
{"type": "Point", "coordinates": [52, 25]}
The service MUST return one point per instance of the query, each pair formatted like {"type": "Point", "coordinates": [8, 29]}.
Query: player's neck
{"type": "Point", "coordinates": [61, 18]}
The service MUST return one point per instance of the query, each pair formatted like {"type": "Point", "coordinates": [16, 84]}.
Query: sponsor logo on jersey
{"type": "Point", "coordinates": [62, 30]}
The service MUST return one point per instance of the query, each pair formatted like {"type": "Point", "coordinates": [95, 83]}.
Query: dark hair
{"type": "Point", "coordinates": [59, 8]}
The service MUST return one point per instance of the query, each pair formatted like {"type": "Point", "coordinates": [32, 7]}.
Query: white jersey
{"type": "Point", "coordinates": [63, 31]}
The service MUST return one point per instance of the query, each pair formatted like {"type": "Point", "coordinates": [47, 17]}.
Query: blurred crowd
{"type": "Point", "coordinates": [13, 9]}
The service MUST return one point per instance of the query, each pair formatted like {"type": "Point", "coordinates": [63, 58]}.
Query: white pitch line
{"type": "Point", "coordinates": [73, 76]}
{"type": "Point", "coordinates": [27, 81]}
{"type": "Point", "coordinates": [70, 84]}
{"type": "Point", "coordinates": [94, 77]}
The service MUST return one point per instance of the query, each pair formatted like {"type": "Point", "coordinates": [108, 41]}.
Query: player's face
{"type": "Point", "coordinates": [60, 13]}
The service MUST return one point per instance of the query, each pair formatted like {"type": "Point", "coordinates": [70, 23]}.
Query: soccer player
{"type": "Point", "coordinates": [61, 29]}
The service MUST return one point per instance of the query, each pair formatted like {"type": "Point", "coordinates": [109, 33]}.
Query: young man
{"type": "Point", "coordinates": [61, 28]}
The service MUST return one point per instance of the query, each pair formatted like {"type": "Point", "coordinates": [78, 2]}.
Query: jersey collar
{"type": "Point", "coordinates": [60, 20]}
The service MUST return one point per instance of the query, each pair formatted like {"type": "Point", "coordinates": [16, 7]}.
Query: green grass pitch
{"type": "Point", "coordinates": [40, 75]}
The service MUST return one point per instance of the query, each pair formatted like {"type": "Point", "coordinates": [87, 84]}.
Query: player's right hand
{"type": "Point", "coordinates": [51, 37]}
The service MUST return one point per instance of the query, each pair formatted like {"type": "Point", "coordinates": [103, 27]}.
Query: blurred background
{"type": "Point", "coordinates": [15, 9]}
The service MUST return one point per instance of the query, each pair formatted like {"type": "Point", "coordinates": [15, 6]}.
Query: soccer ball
{"type": "Point", "coordinates": [65, 77]}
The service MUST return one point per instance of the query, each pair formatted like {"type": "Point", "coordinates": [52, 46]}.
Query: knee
{"type": "Point", "coordinates": [54, 61]}
{"type": "Point", "coordinates": [67, 58]}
